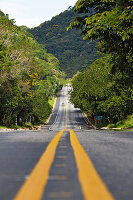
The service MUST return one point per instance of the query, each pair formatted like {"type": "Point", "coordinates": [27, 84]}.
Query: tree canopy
{"type": "Point", "coordinates": [29, 76]}
{"type": "Point", "coordinates": [107, 88]}
{"type": "Point", "coordinates": [97, 92]}
{"type": "Point", "coordinates": [111, 24]}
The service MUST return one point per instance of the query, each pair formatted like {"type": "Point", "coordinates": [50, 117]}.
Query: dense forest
{"type": "Point", "coordinates": [106, 88]}
{"type": "Point", "coordinates": [29, 76]}
{"type": "Point", "coordinates": [73, 52]}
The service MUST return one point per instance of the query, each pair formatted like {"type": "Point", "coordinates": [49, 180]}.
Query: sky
{"type": "Point", "coordinates": [32, 13]}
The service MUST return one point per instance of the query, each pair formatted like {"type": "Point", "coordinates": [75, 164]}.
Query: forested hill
{"type": "Point", "coordinates": [29, 76]}
{"type": "Point", "coordinates": [69, 47]}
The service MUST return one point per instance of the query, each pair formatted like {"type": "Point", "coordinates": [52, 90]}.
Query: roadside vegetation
{"type": "Point", "coordinates": [51, 101]}
{"type": "Point", "coordinates": [29, 77]}
{"type": "Point", "coordinates": [127, 123]}
{"type": "Point", "coordinates": [106, 88]}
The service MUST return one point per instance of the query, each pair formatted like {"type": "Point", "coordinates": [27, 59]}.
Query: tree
{"type": "Point", "coordinates": [111, 25]}
{"type": "Point", "coordinates": [28, 76]}
{"type": "Point", "coordinates": [109, 22]}
{"type": "Point", "coordinates": [97, 92]}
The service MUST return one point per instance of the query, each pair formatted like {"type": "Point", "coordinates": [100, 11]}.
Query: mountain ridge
{"type": "Point", "coordinates": [73, 52]}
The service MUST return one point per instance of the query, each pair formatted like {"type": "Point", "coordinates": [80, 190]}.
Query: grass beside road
{"type": "Point", "coordinates": [51, 101]}
{"type": "Point", "coordinates": [3, 127]}
{"type": "Point", "coordinates": [27, 125]}
{"type": "Point", "coordinates": [127, 123]}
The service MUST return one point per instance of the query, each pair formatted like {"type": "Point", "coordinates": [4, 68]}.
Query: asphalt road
{"type": "Point", "coordinates": [111, 153]}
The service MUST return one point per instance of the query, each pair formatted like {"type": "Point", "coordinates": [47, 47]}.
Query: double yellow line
{"type": "Point", "coordinates": [92, 186]}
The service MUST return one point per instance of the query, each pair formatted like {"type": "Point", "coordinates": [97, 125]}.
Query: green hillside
{"type": "Point", "coordinates": [29, 76]}
{"type": "Point", "coordinates": [73, 52]}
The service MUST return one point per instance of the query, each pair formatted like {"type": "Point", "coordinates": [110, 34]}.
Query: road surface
{"type": "Point", "coordinates": [66, 160]}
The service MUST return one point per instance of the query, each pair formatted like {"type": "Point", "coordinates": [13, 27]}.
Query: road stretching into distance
{"type": "Point", "coordinates": [66, 159]}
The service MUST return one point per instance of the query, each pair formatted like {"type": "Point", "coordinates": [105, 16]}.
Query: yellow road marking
{"type": "Point", "coordinates": [66, 116]}
{"type": "Point", "coordinates": [92, 186]}
{"type": "Point", "coordinates": [34, 186]}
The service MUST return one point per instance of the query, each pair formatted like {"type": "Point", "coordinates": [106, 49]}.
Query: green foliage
{"type": "Point", "coordinates": [51, 101]}
{"type": "Point", "coordinates": [111, 24]}
{"type": "Point", "coordinates": [1, 14]}
{"type": "Point", "coordinates": [111, 126]}
{"type": "Point", "coordinates": [128, 123]}
{"type": "Point", "coordinates": [107, 87]}
{"type": "Point", "coordinates": [3, 127]}
{"type": "Point", "coordinates": [28, 125]}
{"type": "Point", "coordinates": [28, 76]}
{"type": "Point", "coordinates": [98, 92]}
{"type": "Point", "coordinates": [73, 53]}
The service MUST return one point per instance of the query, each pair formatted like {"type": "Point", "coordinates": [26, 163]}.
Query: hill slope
{"type": "Point", "coordinates": [73, 52]}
